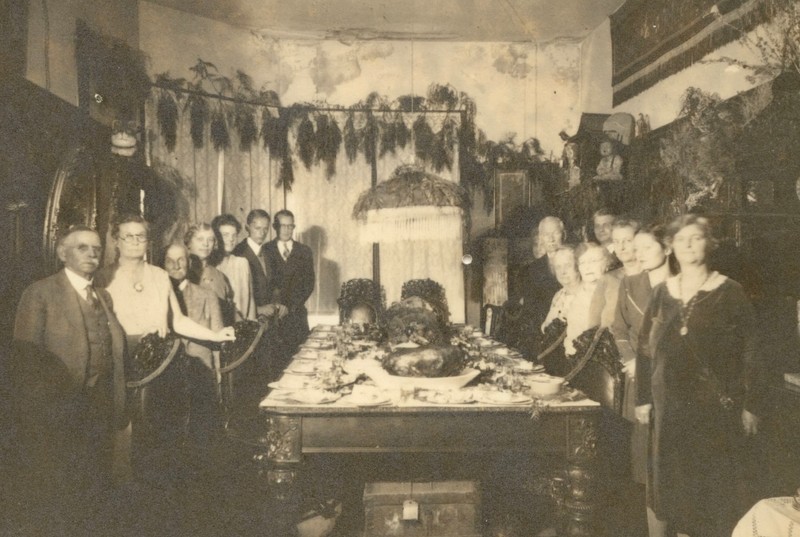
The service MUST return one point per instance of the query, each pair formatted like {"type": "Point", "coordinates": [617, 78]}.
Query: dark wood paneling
{"type": "Point", "coordinates": [37, 131]}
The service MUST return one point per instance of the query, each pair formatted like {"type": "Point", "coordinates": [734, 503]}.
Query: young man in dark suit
{"type": "Point", "coordinates": [252, 249]}
{"type": "Point", "coordinates": [291, 266]}
{"type": "Point", "coordinates": [67, 391]}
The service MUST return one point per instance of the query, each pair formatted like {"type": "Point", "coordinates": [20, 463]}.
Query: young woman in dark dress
{"type": "Point", "coordinates": [653, 255]}
{"type": "Point", "coordinates": [698, 377]}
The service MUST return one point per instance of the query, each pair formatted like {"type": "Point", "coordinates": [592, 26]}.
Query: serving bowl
{"type": "Point", "coordinates": [545, 384]}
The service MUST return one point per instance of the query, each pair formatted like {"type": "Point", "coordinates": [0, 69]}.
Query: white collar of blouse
{"type": "Point", "coordinates": [715, 279]}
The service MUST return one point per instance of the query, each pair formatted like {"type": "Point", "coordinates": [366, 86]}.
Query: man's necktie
{"type": "Point", "coordinates": [91, 298]}
{"type": "Point", "coordinates": [285, 252]}
{"type": "Point", "coordinates": [176, 286]}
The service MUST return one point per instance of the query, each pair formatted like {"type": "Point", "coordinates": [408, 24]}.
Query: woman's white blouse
{"type": "Point", "coordinates": [144, 311]}
{"type": "Point", "coordinates": [578, 317]}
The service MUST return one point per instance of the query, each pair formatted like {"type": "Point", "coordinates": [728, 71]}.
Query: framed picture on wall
{"type": "Point", "coordinates": [512, 191]}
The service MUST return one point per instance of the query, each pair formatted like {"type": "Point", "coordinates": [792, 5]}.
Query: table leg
{"type": "Point", "coordinates": [279, 469]}
{"type": "Point", "coordinates": [581, 472]}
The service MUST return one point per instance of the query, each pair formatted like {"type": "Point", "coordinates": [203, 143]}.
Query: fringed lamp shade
{"type": "Point", "coordinates": [411, 205]}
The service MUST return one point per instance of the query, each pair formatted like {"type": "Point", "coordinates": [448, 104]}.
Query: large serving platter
{"type": "Point", "coordinates": [386, 380]}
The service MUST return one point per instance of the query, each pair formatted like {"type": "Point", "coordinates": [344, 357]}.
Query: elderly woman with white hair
{"type": "Point", "coordinates": [593, 261]}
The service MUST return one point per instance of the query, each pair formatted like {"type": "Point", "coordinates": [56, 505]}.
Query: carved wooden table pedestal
{"type": "Point", "coordinates": [564, 433]}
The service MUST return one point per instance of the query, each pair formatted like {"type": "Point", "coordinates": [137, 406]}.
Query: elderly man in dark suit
{"type": "Point", "coordinates": [252, 249]}
{"type": "Point", "coordinates": [68, 390]}
{"type": "Point", "coordinates": [541, 284]}
{"type": "Point", "coordinates": [292, 268]}
{"type": "Point", "coordinates": [527, 307]}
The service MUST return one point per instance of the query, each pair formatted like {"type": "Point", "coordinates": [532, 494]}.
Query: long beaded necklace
{"type": "Point", "coordinates": [686, 309]}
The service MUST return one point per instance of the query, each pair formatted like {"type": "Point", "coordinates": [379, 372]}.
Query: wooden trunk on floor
{"type": "Point", "coordinates": [445, 509]}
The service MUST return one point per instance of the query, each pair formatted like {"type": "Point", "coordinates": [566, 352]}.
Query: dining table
{"type": "Point", "coordinates": [331, 400]}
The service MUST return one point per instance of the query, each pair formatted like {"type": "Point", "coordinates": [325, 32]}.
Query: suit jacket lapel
{"type": "Point", "coordinates": [118, 344]}
{"type": "Point", "coordinates": [72, 308]}
{"type": "Point", "coordinates": [258, 258]}
{"type": "Point", "coordinates": [262, 259]}
{"type": "Point", "coordinates": [74, 317]}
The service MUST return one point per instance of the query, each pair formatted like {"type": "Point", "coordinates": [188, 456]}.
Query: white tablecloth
{"type": "Point", "coordinates": [772, 517]}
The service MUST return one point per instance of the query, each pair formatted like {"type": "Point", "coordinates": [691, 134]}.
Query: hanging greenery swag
{"type": "Point", "coordinates": [373, 127]}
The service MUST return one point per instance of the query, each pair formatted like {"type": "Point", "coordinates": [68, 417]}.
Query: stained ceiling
{"type": "Point", "coordinates": [440, 20]}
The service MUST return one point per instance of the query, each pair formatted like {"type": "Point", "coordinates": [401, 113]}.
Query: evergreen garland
{"type": "Point", "coordinates": [306, 141]}
{"type": "Point", "coordinates": [411, 103]}
{"type": "Point", "coordinates": [244, 121]}
{"type": "Point", "coordinates": [424, 139]}
{"type": "Point", "coordinates": [243, 110]}
{"type": "Point", "coordinates": [167, 115]}
{"type": "Point", "coordinates": [219, 131]}
{"type": "Point", "coordinates": [273, 132]}
{"type": "Point", "coordinates": [328, 142]}
{"type": "Point", "coordinates": [444, 96]}
{"type": "Point", "coordinates": [444, 148]}
{"type": "Point", "coordinates": [402, 134]}
{"type": "Point", "coordinates": [286, 177]}
{"type": "Point", "coordinates": [378, 132]}
{"type": "Point", "coordinates": [370, 137]}
{"type": "Point", "coordinates": [169, 95]}
{"type": "Point", "coordinates": [388, 137]}
{"type": "Point", "coordinates": [351, 138]}
{"type": "Point", "coordinates": [198, 115]}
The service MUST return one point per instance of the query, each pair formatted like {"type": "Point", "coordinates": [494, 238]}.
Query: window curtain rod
{"type": "Point", "coordinates": [300, 106]}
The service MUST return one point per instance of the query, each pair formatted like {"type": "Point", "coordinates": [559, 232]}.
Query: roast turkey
{"type": "Point", "coordinates": [428, 361]}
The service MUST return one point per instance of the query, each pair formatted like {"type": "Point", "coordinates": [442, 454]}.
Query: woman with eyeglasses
{"type": "Point", "coordinates": [699, 380]}
{"type": "Point", "coordinates": [144, 300]}
{"type": "Point", "coordinates": [201, 242]}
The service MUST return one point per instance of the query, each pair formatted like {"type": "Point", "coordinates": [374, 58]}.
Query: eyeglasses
{"type": "Point", "coordinates": [141, 237]}
{"type": "Point", "coordinates": [287, 226]}
{"type": "Point", "coordinates": [175, 263]}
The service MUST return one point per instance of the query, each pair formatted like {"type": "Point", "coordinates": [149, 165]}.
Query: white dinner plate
{"type": "Point", "coordinates": [302, 367]}
{"type": "Point", "coordinates": [294, 382]}
{"type": "Point", "coordinates": [445, 397]}
{"type": "Point", "coordinates": [307, 354]}
{"type": "Point", "coordinates": [306, 397]}
{"type": "Point", "coordinates": [502, 398]}
{"type": "Point", "coordinates": [316, 344]}
{"type": "Point", "coordinates": [368, 400]}
{"type": "Point", "coordinates": [368, 396]}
